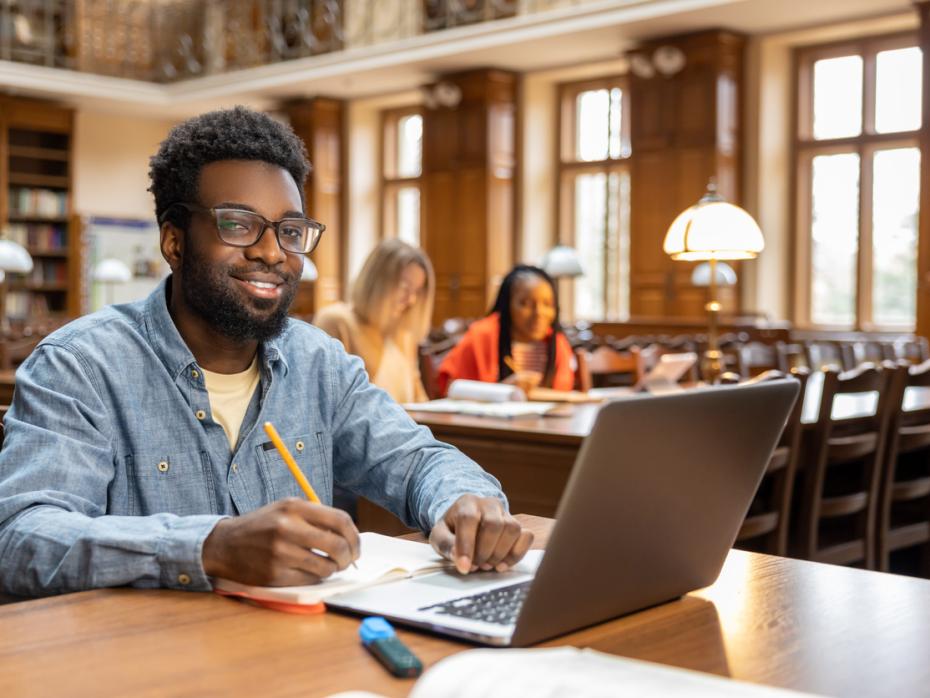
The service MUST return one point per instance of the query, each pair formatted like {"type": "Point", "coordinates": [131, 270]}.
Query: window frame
{"type": "Point", "coordinates": [390, 182]}
{"type": "Point", "coordinates": [568, 168]}
{"type": "Point", "coordinates": [865, 145]}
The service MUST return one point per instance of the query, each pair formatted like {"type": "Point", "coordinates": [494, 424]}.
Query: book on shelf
{"type": "Point", "coordinates": [38, 237]}
{"type": "Point", "coordinates": [46, 203]}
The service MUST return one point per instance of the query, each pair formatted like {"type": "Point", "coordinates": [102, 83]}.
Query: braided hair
{"type": "Point", "coordinates": [502, 308]}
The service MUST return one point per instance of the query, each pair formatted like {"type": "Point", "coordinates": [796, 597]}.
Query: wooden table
{"type": "Point", "coordinates": [769, 620]}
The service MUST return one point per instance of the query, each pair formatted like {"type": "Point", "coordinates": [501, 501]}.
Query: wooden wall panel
{"type": "Point", "coordinates": [320, 123]}
{"type": "Point", "coordinates": [684, 130]}
{"type": "Point", "coordinates": [468, 192]}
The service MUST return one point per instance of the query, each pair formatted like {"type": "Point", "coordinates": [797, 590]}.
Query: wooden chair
{"type": "Point", "coordinates": [904, 504]}
{"type": "Point", "coordinates": [606, 367]}
{"type": "Point", "coordinates": [914, 351]}
{"type": "Point", "coordinates": [757, 357]}
{"type": "Point", "coordinates": [791, 355]}
{"type": "Point", "coordinates": [825, 355]}
{"type": "Point", "coordinates": [430, 355]}
{"type": "Point", "coordinates": [842, 473]}
{"type": "Point", "coordinates": [765, 528]}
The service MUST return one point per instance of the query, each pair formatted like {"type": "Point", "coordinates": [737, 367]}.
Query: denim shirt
{"type": "Point", "coordinates": [112, 471]}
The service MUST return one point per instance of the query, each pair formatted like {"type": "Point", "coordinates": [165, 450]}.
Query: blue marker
{"type": "Point", "coordinates": [379, 638]}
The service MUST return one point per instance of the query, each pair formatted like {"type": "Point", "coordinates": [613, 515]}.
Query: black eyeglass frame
{"type": "Point", "coordinates": [313, 241]}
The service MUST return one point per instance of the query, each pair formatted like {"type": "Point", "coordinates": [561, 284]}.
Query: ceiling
{"type": "Point", "coordinates": [593, 31]}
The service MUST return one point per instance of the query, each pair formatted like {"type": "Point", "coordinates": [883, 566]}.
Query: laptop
{"type": "Point", "coordinates": [653, 504]}
{"type": "Point", "coordinates": [661, 379]}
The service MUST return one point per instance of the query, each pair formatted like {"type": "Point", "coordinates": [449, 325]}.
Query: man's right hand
{"type": "Point", "coordinates": [286, 543]}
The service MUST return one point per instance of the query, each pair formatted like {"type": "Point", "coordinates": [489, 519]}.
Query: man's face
{"type": "Point", "coordinates": [243, 293]}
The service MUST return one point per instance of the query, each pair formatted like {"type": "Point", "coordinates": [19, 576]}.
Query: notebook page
{"type": "Point", "coordinates": [381, 558]}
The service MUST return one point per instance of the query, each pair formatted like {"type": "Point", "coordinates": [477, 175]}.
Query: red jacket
{"type": "Point", "coordinates": [475, 357]}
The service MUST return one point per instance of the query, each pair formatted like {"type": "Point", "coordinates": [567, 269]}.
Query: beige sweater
{"type": "Point", "coordinates": [391, 362]}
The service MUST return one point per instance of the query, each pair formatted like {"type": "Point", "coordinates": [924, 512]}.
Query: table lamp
{"type": "Point", "coordinates": [309, 272]}
{"type": "Point", "coordinates": [712, 230]}
{"type": "Point", "coordinates": [110, 272]}
{"type": "Point", "coordinates": [562, 262]}
{"type": "Point", "coordinates": [13, 258]}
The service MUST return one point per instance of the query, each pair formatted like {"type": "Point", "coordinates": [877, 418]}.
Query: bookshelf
{"type": "Point", "coordinates": [35, 208]}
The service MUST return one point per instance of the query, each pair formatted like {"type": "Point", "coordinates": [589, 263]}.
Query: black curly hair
{"type": "Point", "coordinates": [226, 134]}
{"type": "Point", "coordinates": [502, 308]}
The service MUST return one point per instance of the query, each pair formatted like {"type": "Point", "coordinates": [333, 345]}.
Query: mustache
{"type": "Point", "coordinates": [279, 271]}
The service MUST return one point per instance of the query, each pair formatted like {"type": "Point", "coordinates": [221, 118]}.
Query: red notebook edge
{"type": "Point", "coordinates": [284, 606]}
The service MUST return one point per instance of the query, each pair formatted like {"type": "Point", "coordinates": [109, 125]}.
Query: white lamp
{"type": "Point", "coordinates": [13, 258]}
{"type": "Point", "coordinates": [713, 230]}
{"type": "Point", "coordinates": [562, 261]}
{"type": "Point", "coordinates": [700, 275]}
{"type": "Point", "coordinates": [111, 272]}
{"type": "Point", "coordinates": [309, 272]}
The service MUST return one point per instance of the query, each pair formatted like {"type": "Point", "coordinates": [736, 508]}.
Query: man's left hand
{"type": "Point", "coordinates": [477, 534]}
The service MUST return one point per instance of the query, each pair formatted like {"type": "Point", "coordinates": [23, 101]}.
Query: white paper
{"type": "Point", "coordinates": [505, 410]}
{"type": "Point", "coordinates": [480, 391]}
{"type": "Point", "coordinates": [568, 671]}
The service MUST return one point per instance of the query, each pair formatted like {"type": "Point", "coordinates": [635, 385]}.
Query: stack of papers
{"type": "Point", "coordinates": [506, 410]}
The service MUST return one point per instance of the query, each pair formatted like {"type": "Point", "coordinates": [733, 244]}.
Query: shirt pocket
{"type": "Point", "coordinates": [311, 455]}
{"type": "Point", "coordinates": [170, 482]}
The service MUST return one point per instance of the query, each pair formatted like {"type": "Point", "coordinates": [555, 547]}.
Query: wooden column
{"type": "Point", "coordinates": [685, 129]}
{"type": "Point", "coordinates": [319, 122]}
{"type": "Point", "coordinates": [923, 225]}
{"type": "Point", "coordinates": [468, 191]}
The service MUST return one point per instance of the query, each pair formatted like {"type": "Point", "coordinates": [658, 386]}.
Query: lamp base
{"type": "Point", "coordinates": [712, 365]}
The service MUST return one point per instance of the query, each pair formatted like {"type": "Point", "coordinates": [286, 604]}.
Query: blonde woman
{"type": "Point", "coordinates": [392, 303]}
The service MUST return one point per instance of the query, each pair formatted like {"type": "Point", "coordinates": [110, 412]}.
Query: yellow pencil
{"type": "Point", "coordinates": [291, 463]}
{"type": "Point", "coordinates": [292, 466]}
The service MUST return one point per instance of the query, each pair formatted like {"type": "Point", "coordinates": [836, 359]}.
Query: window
{"type": "Point", "coordinates": [594, 194]}
{"type": "Point", "coordinates": [858, 174]}
{"type": "Point", "coordinates": [402, 156]}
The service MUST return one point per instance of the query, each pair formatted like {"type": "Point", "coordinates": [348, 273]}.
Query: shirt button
{"type": "Point", "coordinates": [299, 446]}
{"type": "Point", "coordinates": [200, 414]}
{"type": "Point", "coordinates": [195, 374]}
{"type": "Point", "coordinates": [162, 466]}
{"type": "Point", "coordinates": [235, 467]}
{"type": "Point", "coordinates": [184, 579]}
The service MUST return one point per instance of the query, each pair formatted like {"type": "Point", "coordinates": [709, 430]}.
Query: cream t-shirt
{"type": "Point", "coordinates": [230, 394]}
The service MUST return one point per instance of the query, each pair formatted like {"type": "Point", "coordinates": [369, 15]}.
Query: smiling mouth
{"type": "Point", "coordinates": [266, 290]}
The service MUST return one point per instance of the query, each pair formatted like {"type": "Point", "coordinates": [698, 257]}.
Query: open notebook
{"type": "Point", "coordinates": [382, 559]}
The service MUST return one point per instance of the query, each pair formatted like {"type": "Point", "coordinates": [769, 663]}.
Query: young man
{"type": "Point", "coordinates": [134, 452]}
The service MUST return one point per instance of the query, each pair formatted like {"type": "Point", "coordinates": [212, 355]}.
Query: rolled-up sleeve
{"type": "Point", "coordinates": [56, 464]}
{"type": "Point", "coordinates": [382, 454]}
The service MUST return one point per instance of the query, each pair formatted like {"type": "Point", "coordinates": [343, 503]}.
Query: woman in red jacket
{"type": "Point", "coordinates": [519, 341]}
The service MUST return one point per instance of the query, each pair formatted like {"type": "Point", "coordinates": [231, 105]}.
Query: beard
{"type": "Point", "coordinates": [210, 292]}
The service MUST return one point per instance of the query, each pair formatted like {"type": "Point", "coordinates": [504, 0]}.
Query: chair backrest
{"type": "Point", "coordinates": [605, 367]}
{"type": "Point", "coordinates": [908, 433]}
{"type": "Point", "coordinates": [859, 443]}
{"type": "Point", "coordinates": [756, 357]}
{"type": "Point", "coordinates": [765, 528]}
{"type": "Point", "coordinates": [429, 356]}
{"type": "Point", "coordinates": [825, 354]}
{"type": "Point", "coordinates": [791, 355]}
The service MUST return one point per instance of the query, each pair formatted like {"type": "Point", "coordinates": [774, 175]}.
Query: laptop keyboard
{"type": "Point", "coordinates": [500, 606]}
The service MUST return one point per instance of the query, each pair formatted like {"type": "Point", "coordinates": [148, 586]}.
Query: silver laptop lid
{"type": "Point", "coordinates": [654, 502]}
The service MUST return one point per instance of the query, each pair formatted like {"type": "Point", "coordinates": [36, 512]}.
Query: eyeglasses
{"type": "Point", "coordinates": [240, 228]}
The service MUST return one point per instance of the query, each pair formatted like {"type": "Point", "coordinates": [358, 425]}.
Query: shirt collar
{"type": "Point", "coordinates": [170, 347]}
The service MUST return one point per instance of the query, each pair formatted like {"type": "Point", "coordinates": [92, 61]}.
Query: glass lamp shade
{"type": "Point", "coordinates": [309, 272]}
{"type": "Point", "coordinates": [562, 261]}
{"type": "Point", "coordinates": [112, 271]}
{"type": "Point", "coordinates": [726, 276]}
{"type": "Point", "coordinates": [14, 257]}
{"type": "Point", "coordinates": [713, 229]}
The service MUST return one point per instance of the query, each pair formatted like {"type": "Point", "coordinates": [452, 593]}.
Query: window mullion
{"type": "Point", "coordinates": [864, 319]}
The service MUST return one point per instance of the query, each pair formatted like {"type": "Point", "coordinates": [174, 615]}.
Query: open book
{"type": "Point", "coordinates": [382, 559]}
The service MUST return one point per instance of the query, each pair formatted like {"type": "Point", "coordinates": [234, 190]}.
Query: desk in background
{"type": "Point", "coordinates": [803, 625]}
{"type": "Point", "coordinates": [531, 456]}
